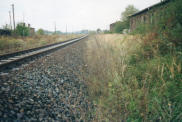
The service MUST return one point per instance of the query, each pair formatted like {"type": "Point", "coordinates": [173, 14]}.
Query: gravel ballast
{"type": "Point", "coordinates": [48, 89]}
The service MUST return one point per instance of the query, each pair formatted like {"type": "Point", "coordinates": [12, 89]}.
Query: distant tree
{"type": "Point", "coordinates": [40, 32]}
{"type": "Point", "coordinates": [22, 30]}
{"type": "Point", "coordinates": [129, 10]}
{"type": "Point", "coordinates": [59, 32]}
{"type": "Point", "coordinates": [99, 30]}
{"type": "Point", "coordinates": [106, 31]}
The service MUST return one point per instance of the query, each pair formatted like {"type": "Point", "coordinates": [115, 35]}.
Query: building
{"type": "Point", "coordinates": [5, 32]}
{"type": "Point", "coordinates": [32, 30]}
{"type": "Point", "coordinates": [148, 15]}
{"type": "Point", "coordinates": [112, 26]}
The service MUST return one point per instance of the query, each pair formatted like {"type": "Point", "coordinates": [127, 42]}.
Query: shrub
{"type": "Point", "coordinates": [40, 32]}
{"type": "Point", "coordinates": [22, 30]}
{"type": "Point", "coordinates": [120, 26]}
{"type": "Point", "coordinates": [130, 80]}
{"type": "Point", "coordinates": [139, 81]}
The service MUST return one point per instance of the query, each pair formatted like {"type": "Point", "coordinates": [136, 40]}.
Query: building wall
{"type": "Point", "coordinates": [32, 31]}
{"type": "Point", "coordinates": [112, 26]}
{"type": "Point", "coordinates": [144, 18]}
{"type": "Point", "coordinates": [149, 16]}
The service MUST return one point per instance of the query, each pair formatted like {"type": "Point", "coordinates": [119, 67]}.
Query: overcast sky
{"type": "Point", "coordinates": [76, 14]}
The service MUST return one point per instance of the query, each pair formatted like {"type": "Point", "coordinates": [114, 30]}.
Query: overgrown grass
{"type": "Point", "coordinates": [133, 78]}
{"type": "Point", "coordinates": [12, 44]}
{"type": "Point", "coordinates": [139, 78]}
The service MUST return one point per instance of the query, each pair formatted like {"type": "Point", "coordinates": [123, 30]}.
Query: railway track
{"type": "Point", "coordinates": [9, 61]}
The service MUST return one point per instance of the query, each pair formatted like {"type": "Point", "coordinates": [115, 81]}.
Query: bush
{"type": "Point", "coordinates": [22, 30]}
{"type": "Point", "coordinates": [40, 32]}
{"type": "Point", "coordinates": [144, 82]}
{"type": "Point", "coordinates": [120, 26]}
{"type": "Point", "coordinates": [106, 32]}
{"type": "Point", "coordinates": [134, 83]}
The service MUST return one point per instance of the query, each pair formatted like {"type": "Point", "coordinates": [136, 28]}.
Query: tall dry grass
{"type": "Point", "coordinates": [129, 80]}
{"type": "Point", "coordinates": [11, 44]}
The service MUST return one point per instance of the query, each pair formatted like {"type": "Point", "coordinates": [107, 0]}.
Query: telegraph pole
{"type": "Point", "coordinates": [55, 27]}
{"type": "Point", "coordinates": [13, 16]}
{"type": "Point", "coordinates": [23, 18]}
{"type": "Point", "coordinates": [10, 20]}
{"type": "Point", "coordinates": [66, 31]}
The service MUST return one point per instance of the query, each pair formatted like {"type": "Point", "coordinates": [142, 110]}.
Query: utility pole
{"type": "Point", "coordinates": [10, 20]}
{"type": "Point", "coordinates": [23, 18]}
{"type": "Point", "coordinates": [66, 31]}
{"type": "Point", "coordinates": [55, 27]}
{"type": "Point", "coordinates": [13, 16]}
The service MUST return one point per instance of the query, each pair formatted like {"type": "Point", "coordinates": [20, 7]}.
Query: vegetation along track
{"type": "Point", "coordinates": [14, 58]}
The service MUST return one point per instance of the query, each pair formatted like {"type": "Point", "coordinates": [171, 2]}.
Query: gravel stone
{"type": "Point", "coordinates": [47, 89]}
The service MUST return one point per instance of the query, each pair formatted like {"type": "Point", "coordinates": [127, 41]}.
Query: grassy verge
{"type": "Point", "coordinates": [133, 78]}
{"type": "Point", "coordinates": [12, 44]}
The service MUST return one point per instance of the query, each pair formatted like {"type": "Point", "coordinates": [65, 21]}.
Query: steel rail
{"type": "Point", "coordinates": [11, 58]}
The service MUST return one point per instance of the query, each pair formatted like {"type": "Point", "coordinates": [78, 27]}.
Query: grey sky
{"type": "Point", "coordinates": [76, 14]}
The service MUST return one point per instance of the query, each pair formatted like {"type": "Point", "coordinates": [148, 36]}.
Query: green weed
{"type": "Point", "coordinates": [130, 79]}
